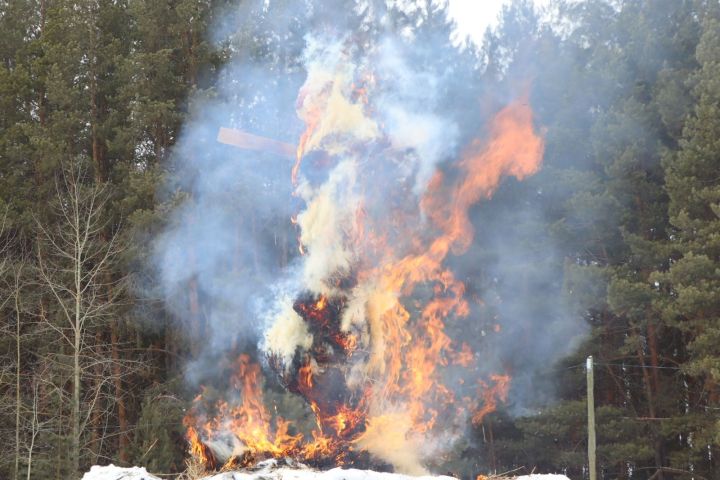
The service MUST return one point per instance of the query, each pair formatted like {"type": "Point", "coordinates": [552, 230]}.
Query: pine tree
{"type": "Point", "coordinates": [687, 291]}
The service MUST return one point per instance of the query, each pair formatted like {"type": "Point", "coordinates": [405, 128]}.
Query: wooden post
{"type": "Point", "coordinates": [591, 419]}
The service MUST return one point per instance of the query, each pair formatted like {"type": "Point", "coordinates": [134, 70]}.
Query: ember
{"type": "Point", "coordinates": [365, 343]}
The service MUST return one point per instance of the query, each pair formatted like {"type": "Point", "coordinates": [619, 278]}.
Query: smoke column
{"type": "Point", "coordinates": [379, 311]}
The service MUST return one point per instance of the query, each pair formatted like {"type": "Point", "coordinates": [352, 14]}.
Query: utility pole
{"type": "Point", "coordinates": [591, 418]}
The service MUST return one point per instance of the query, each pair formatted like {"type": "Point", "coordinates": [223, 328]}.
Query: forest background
{"type": "Point", "coordinates": [625, 213]}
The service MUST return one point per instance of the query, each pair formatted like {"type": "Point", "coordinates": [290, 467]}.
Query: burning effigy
{"type": "Point", "coordinates": [361, 336]}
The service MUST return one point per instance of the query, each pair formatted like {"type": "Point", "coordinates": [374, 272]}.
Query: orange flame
{"type": "Point", "coordinates": [407, 355]}
{"type": "Point", "coordinates": [249, 422]}
{"type": "Point", "coordinates": [312, 117]}
{"type": "Point", "coordinates": [407, 348]}
{"type": "Point", "coordinates": [197, 449]}
{"type": "Point", "coordinates": [491, 395]}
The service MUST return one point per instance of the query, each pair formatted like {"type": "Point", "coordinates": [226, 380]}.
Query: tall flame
{"type": "Point", "coordinates": [366, 343]}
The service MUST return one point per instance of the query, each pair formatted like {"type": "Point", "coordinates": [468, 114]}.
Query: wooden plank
{"type": "Point", "coordinates": [591, 418]}
{"type": "Point", "coordinates": [248, 141]}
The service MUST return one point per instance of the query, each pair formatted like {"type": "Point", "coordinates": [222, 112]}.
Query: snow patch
{"type": "Point", "coordinates": [111, 472]}
{"type": "Point", "coordinates": [269, 470]}
{"type": "Point", "coordinates": [284, 470]}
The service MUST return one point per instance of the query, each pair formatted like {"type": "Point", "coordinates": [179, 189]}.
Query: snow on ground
{"type": "Point", "coordinates": [272, 470]}
{"type": "Point", "coordinates": [111, 472]}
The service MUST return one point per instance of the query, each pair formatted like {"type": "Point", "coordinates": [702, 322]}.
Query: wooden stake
{"type": "Point", "coordinates": [591, 418]}
{"type": "Point", "coordinates": [248, 141]}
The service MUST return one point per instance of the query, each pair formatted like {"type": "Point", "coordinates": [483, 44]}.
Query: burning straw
{"type": "Point", "coordinates": [361, 336]}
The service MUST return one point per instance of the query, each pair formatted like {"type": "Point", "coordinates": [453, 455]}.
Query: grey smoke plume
{"type": "Point", "coordinates": [376, 114]}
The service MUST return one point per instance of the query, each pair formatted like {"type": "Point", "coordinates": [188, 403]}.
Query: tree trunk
{"type": "Point", "coordinates": [192, 72]}
{"type": "Point", "coordinates": [18, 397]}
{"type": "Point", "coordinates": [123, 442]}
{"type": "Point", "coordinates": [97, 143]}
{"type": "Point", "coordinates": [652, 346]}
{"type": "Point", "coordinates": [170, 348]}
{"type": "Point", "coordinates": [195, 326]}
{"type": "Point", "coordinates": [493, 459]}
{"type": "Point", "coordinates": [657, 442]}
{"type": "Point", "coordinates": [42, 102]}
{"type": "Point", "coordinates": [96, 419]}
{"type": "Point", "coordinates": [77, 346]}
{"type": "Point", "coordinates": [75, 442]}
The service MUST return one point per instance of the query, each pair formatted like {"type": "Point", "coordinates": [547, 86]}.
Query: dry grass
{"type": "Point", "coordinates": [194, 470]}
{"type": "Point", "coordinates": [509, 475]}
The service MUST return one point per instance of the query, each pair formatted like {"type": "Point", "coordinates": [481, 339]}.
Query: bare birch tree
{"type": "Point", "coordinates": [9, 362]}
{"type": "Point", "coordinates": [34, 427]}
{"type": "Point", "coordinates": [75, 257]}
{"type": "Point", "coordinates": [16, 283]}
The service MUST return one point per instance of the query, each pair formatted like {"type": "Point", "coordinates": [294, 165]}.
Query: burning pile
{"type": "Point", "coordinates": [361, 334]}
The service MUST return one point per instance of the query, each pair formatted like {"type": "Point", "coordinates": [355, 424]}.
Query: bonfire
{"type": "Point", "coordinates": [362, 336]}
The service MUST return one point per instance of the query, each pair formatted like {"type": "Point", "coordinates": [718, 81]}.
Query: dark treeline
{"type": "Point", "coordinates": [626, 212]}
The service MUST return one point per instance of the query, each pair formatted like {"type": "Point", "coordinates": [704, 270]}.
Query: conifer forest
{"type": "Point", "coordinates": [339, 231]}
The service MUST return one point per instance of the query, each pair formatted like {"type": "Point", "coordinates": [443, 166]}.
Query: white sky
{"type": "Point", "coordinates": [474, 16]}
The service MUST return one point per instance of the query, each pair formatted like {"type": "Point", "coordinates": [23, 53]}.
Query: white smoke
{"type": "Point", "coordinates": [373, 125]}
{"type": "Point", "coordinates": [370, 122]}
{"type": "Point", "coordinates": [288, 333]}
